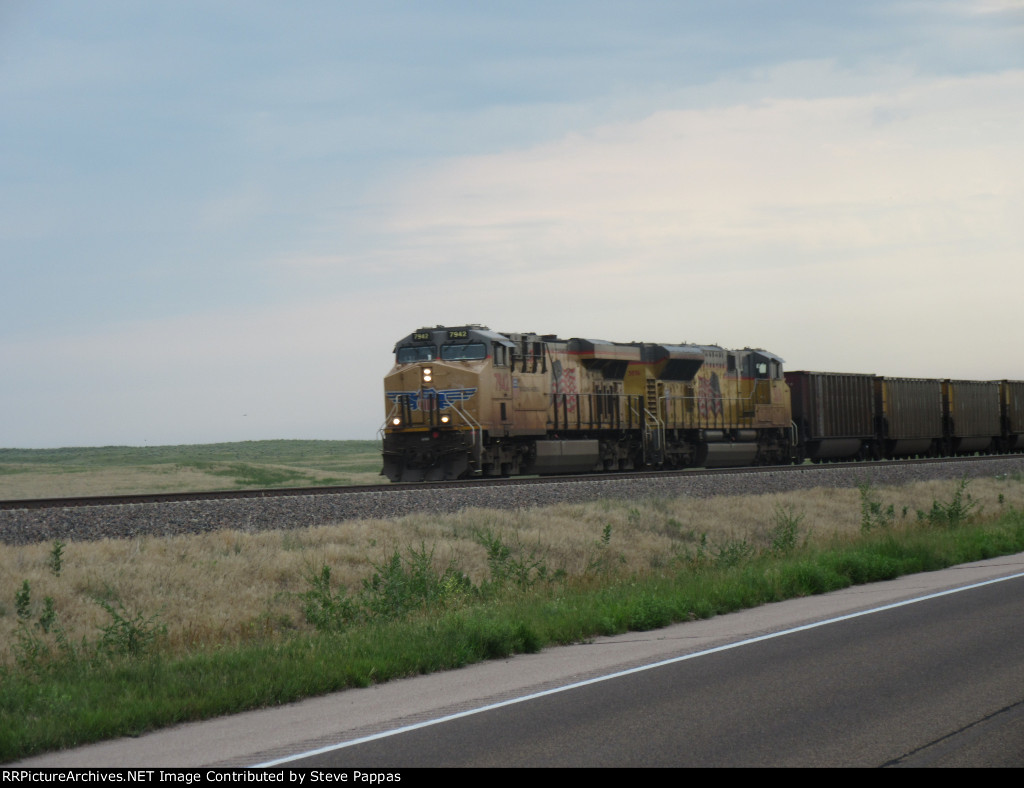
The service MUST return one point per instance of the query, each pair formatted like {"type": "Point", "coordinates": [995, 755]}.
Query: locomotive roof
{"type": "Point", "coordinates": [480, 333]}
{"type": "Point", "coordinates": [443, 334]}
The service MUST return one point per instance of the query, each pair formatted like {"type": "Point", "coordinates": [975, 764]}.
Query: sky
{"type": "Point", "coordinates": [217, 217]}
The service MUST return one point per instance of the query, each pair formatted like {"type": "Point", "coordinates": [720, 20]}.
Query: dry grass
{"type": "Point", "coordinates": [230, 586]}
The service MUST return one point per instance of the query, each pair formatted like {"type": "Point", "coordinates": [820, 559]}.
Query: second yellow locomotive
{"type": "Point", "coordinates": [467, 401]}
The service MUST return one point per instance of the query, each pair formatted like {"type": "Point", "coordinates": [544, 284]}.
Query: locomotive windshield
{"type": "Point", "coordinates": [407, 355]}
{"type": "Point", "coordinates": [473, 352]}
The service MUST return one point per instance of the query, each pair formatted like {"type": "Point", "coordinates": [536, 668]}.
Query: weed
{"type": "Point", "coordinates": [23, 601]}
{"type": "Point", "coordinates": [733, 552]}
{"type": "Point", "coordinates": [29, 650]}
{"type": "Point", "coordinates": [48, 617]}
{"type": "Point", "coordinates": [673, 527]}
{"type": "Point", "coordinates": [522, 570]}
{"type": "Point", "coordinates": [108, 592]}
{"type": "Point", "coordinates": [952, 514]}
{"type": "Point", "coordinates": [126, 635]}
{"type": "Point", "coordinates": [872, 515]}
{"type": "Point", "coordinates": [324, 609]}
{"type": "Point", "coordinates": [32, 651]}
{"type": "Point", "coordinates": [57, 557]}
{"type": "Point", "coordinates": [602, 561]}
{"type": "Point", "coordinates": [397, 587]}
{"type": "Point", "coordinates": [782, 538]}
{"type": "Point", "coordinates": [404, 584]}
{"type": "Point", "coordinates": [697, 559]}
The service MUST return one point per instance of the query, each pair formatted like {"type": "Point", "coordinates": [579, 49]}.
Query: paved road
{"type": "Point", "coordinates": [936, 682]}
{"type": "Point", "coordinates": [878, 690]}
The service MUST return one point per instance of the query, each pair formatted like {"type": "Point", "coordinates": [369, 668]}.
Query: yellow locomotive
{"type": "Point", "coordinates": [467, 401]}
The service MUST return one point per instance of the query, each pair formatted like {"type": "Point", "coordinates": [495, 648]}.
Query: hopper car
{"type": "Point", "coordinates": [466, 401]}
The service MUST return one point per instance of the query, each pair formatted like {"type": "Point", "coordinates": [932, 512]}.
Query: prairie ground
{"type": "Point", "coordinates": [126, 470]}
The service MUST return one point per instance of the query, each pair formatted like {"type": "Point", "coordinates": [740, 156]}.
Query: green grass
{"type": "Point", "coordinates": [410, 619]}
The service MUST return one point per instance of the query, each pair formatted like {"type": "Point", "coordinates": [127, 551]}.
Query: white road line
{"type": "Point", "coordinates": [661, 663]}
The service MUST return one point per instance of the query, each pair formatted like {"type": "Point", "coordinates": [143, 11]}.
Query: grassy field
{"type": "Point", "coordinates": [123, 470]}
{"type": "Point", "coordinates": [115, 637]}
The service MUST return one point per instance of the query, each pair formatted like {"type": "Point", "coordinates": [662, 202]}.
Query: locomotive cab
{"type": "Point", "coordinates": [437, 412]}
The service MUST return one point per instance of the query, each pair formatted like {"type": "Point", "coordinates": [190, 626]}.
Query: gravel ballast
{"type": "Point", "coordinates": [22, 526]}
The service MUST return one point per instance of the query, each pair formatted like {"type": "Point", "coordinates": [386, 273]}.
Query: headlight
{"type": "Point", "coordinates": [426, 378]}
{"type": "Point", "coordinates": [445, 419]}
{"type": "Point", "coordinates": [396, 421]}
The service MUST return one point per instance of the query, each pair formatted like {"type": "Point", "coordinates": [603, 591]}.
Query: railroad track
{"type": "Point", "coordinates": [284, 492]}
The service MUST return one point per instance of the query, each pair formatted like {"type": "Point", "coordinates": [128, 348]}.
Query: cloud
{"type": "Point", "coordinates": [762, 217]}
{"type": "Point", "coordinates": [1009, 7]}
{"type": "Point", "coordinates": [926, 161]}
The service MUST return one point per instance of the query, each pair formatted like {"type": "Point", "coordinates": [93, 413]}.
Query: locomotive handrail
{"type": "Point", "coordinates": [734, 405]}
{"type": "Point", "coordinates": [475, 430]}
{"type": "Point", "coordinates": [608, 415]}
{"type": "Point", "coordinates": [653, 425]}
{"type": "Point", "coordinates": [389, 417]}
{"type": "Point", "coordinates": [634, 411]}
